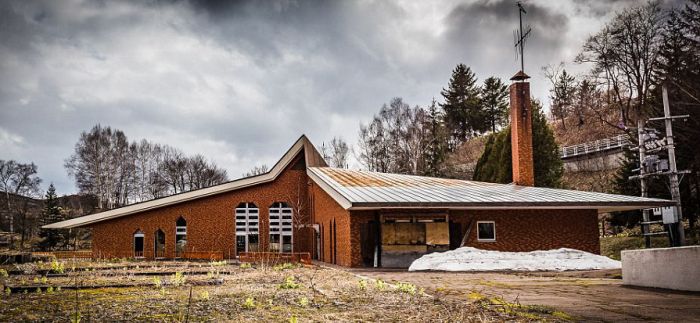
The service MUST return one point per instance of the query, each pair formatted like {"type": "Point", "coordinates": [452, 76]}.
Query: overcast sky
{"type": "Point", "coordinates": [241, 82]}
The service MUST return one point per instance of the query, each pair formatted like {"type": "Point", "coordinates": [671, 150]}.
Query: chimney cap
{"type": "Point", "coordinates": [520, 76]}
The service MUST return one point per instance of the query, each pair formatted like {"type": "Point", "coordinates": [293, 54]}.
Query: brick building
{"type": "Point", "coordinates": [360, 218]}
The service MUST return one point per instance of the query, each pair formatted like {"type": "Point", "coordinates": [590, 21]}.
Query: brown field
{"type": "Point", "coordinates": [219, 291]}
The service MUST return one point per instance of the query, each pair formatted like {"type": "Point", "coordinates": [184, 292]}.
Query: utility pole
{"type": "Point", "coordinates": [652, 165]}
{"type": "Point", "coordinates": [673, 176]}
{"type": "Point", "coordinates": [642, 181]}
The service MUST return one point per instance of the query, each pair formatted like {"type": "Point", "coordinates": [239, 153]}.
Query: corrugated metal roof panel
{"type": "Point", "coordinates": [364, 189]}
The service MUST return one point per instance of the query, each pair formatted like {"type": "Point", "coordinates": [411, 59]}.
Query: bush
{"type": "Point", "coordinates": [3, 273]}
{"type": "Point", "coordinates": [407, 288]}
{"type": "Point", "coordinates": [178, 279]}
{"type": "Point", "coordinates": [289, 283]}
{"type": "Point", "coordinates": [249, 303]}
{"type": "Point", "coordinates": [246, 265]}
{"type": "Point", "coordinates": [57, 267]}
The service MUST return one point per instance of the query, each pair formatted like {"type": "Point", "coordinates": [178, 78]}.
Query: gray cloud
{"type": "Point", "coordinates": [240, 81]}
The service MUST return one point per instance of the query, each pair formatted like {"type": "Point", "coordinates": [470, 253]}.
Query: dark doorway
{"type": "Point", "coordinates": [455, 235]}
{"type": "Point", "coordinates": [138, 244]}
{"type": "Point", "coordinates": [159, 244]}
{"type": "Point", "coordinates": [369, 237]}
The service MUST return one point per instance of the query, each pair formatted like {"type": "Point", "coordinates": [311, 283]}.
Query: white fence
{"type": "Point", "coordinates": [595, 146]}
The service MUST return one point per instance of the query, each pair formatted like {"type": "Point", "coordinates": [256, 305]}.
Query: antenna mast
{"type": "Point", "coordinates": [520, 41]}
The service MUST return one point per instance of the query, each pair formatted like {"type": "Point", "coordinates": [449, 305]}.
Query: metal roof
{"type": "Point", "coordinates": [355, 189]}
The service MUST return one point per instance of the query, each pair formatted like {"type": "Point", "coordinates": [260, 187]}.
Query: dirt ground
{"type": "Point", "coordinates": [596, 296]}
{"type": "Point", "coordinates": [174, 291]}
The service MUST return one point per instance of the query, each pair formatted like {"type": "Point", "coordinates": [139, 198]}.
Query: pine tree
{"type": "Point", "coordinates": [494, 98]}
{"type": "Point", "coordinates": [463, 114]}
{"type": "Point", "coordinates": [52, 238]}
{"type": "Point", "coordinates": [562, 96]}
{"type": "Point", "coordinates": [436, 148]}
{"type": "Point", "coordinates": [495, 163]}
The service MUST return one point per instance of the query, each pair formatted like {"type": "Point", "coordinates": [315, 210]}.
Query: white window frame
{"type": "Point", "coordinates": [494, 231]}
{"type": "Point", "coordinates": [281, 222]}
{"type": "Point", "coordinates": [245, 225]}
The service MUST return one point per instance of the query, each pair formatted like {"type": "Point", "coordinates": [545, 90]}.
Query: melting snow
{"type": "Point", "coordinates": [472, 259]}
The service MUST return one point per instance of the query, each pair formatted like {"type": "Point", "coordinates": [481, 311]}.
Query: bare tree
{"type": "Point", "coordinates": [625, 55]}
{"type": "Point", "coordinates": [257, 170]}
{"type": "Point", "coordinates": [337, 153]}
{"type": "Point", "coordinates": [18, 181]}
{"type": "Point", "coordinates": [117, 172]}
{"type": "Point", "coordinates": [395, 140]}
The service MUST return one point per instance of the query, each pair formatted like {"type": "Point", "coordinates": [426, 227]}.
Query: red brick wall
{"type": "Point", "coordinates": [210, 220]}
{"type": "Point", "coordinates": [528, 230]}
{"type": "Point", "coordinates": [325, 211]}
{"type": "Point", "coordinates": [521, 134]}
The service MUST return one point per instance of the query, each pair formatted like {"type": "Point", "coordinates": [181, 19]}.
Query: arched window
{"type": "Point", "coordinates": [247, 226]}
{"type": "Point", "coordinates": [159, 244]}
{"type": "Point", "coordinates": [180, 236]}
{"type": "Point", "coordinates": [281, 233]}
{"type": "Point", "coordinates": [138, 244]}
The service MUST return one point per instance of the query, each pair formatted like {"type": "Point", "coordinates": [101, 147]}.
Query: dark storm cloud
{"type": "Point", "coordinates": [240, 81]}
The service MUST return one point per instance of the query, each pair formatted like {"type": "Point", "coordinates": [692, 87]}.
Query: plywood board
{"type": "Point", "coordinates": [437, 233]}
{"type": "Point", "coordinates": [388, 233]}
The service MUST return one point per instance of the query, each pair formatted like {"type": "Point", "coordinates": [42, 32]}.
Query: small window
{"type": "Point", "coordinates": [486, 230]}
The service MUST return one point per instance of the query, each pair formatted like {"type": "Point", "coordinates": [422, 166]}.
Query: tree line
{"type": "Point", "coordinates": [631, 57]}
{"type": "Point", "coordinates": [118, 172]}
{"type": "Point", "coordinates": [431, 141]}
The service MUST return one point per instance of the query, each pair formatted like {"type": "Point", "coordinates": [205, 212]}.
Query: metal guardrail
{"type": "Point", "coordinates": [590, 147]}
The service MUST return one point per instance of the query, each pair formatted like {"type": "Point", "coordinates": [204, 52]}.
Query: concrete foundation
{"type": "Point", "coordinates": [672, 268]}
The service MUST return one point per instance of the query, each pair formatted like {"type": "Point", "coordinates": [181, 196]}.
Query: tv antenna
{"type": "Point", "coordinates": [519, 37]}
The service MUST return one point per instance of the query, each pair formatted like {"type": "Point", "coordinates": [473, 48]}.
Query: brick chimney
{"type": "Point", "coordinates": [521, 131]}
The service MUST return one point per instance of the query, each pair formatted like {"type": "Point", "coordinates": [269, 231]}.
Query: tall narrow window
{"type": "Point", "coordinates": [281, 236]}
{"type": "Point", "coordinates": [138, 244]}
{"type": "Point", "coordinates": [247, 227]}
{"type": "Point", "coordinates": [180, 236]}
{"type": "Point", "coordinates": [159, 244]}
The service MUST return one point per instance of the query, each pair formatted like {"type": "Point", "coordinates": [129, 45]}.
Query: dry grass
{"type": "Point", "coordinates": [224, 292]}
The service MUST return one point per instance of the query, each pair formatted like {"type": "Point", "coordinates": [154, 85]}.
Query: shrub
{"type": "Point", "coordinates": [157, 282]}
{"type": "Point", "coordinates": [249, 303]}
{"type": "Point", "coordinates": [204, 295]}
{"type": "Point", "coordinates": [49, 290]}
{"type": "Point", "coordinates": [3, 273]}
{"type": "Point", "coordinates": [362, 284]}
{"type": "Point", "coordinates": [407, 288]}
{"type": "Point", "coordinates": [218, 263]}
{"type": "Point", "coordinates": [380, 284]}
{"type": "Point", "coordinates": [246, 265]}
{"type": "Point", "coordinates": [284, 266]}
{"type": "Point", "coordinates": [178, 279]}
{"type": "Point", "coordinates": [289, 283]}
{"type": "Point", "coordinates": [8, 291]}
{"type": "Point", "coordinates": [57, 267]}
{"type": "Point", "coordinates": [304, 302]}
{"type": "Point", "coordinates": [44, 280]}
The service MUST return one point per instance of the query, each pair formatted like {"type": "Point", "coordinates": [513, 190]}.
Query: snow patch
{"type": "Point", "coordinates": [472, 259]}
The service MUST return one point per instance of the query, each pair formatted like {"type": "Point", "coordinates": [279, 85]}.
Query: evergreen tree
{"type": "Point", "coordinates": [436, 148]}
{"type": "Point", "coordinates": [494, 97]}
{"type": "Point", "coordinates": [495, 164]}
{"type": "Point", "coordinates": [463, 114]}
{"type": "Point", "coordinates": [562, 96]}
{"type": "Point", "coordinates": [52, 213]}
